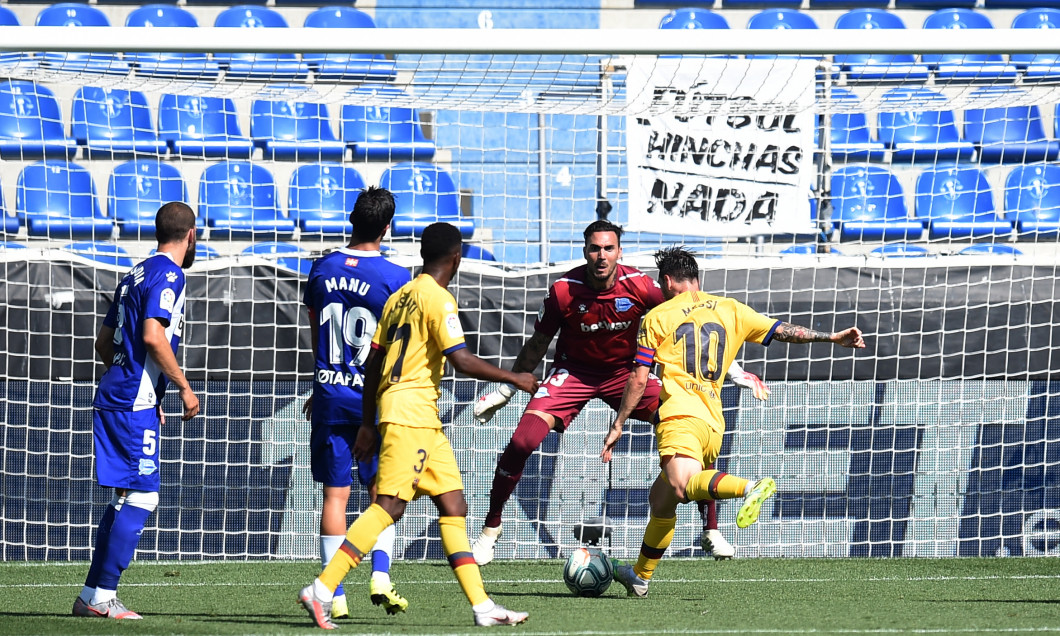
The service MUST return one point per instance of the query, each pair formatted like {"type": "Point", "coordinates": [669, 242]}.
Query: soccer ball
{"type": "Point", "coordinates": [588, 572]}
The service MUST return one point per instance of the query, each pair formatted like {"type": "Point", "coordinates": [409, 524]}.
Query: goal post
{"type": "Point", "coordinates": [804, 180]}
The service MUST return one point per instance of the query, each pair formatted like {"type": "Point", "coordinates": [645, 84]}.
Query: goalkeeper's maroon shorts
{"type": "Point", "coordinates": [567, 389]}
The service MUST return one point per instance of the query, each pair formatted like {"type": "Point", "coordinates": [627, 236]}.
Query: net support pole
{"type": "Point", "coordinates": [824, 161]}
{"type": "Point", "coordinates": [542, 189]}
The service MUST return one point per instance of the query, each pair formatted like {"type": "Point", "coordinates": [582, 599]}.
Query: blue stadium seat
{"type": "Point", "coordinates": [871, 66]}
{"type": "Point", "coordinates": [74, 14]}
{"type": "Point", "coordinates": [693, 18]}
{"type": "Point", "coordinates": [113, 123]}
{"type": "Point", "coordinates": [31, 126]}
{"type": "Point", "coordinates": [202, 127]}
{"type": "Point", "coordinates": [321, 196]}
{"type": "Point", "coordinates": [1043, 66]}
{"type": "Point", "coordinates": [107, 253]}
{"type": "Point", "coordinates": [965, 66]}
{"type": "Point", "coordinates": [346, 66]}
{"type": "Point", "coordinates": [781, 19]}
{"type": "Point", "coordinates": [918, 133]}
{"type": "Point", "coordinates": [11, 245]}
{"type": "Point", "coordinates": [1000, 249]}
{"type": "Point", "coordinates": [850, 137]}
{"type": "Point", "coordinates": [135, 191]}
{"type": "Point", "coordinates": [956, 202]}
{"type": "Point", "coordinates": [1032, 200]}
{"type": "Point", "coordinates": [383, 133]}
{"type": "Point", "coordinates": [238, 199]}
{"type": "Point", "coordinates": [423, 194]}
{"type": "Point", "coordinates": [868, 204]}
{"type": "Point", "coordinates": [271, 65]}
{"type": "Point", "coordinates": [901, 250]}
{"type": "Point", "coordinates": [188, 65]}
{"type": "Point", "coordinates": [288, 255]}
{"type": "Point", "coordinates": [477, 252]}
{"type": "Point", "coordinates": [297, 131]}
{"type": "Point", "coordinates": [1008, 135]}
{"type": "Point", "coordinates": [57, 199]}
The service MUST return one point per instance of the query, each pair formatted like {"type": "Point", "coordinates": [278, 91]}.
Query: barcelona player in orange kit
{"type": "Point", "coordinates": [690, 340]}
{"type": "Point", "coordinates": [418, 331]}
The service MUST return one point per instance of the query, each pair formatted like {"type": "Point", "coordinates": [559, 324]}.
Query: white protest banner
{"type": "Point", "coordinates": [719, 146]}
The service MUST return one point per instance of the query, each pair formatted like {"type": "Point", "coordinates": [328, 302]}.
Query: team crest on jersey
{"type": "Point", "coordinates": [166, 299]}
{"type": "Point", "coordinates": [623, 304]}
{"type": "Point", "coordinates": [147, 466]}
{"type": "Point", "coordinates": [452, 325]}
{"type": "Point", "coordinates": [351, 261]}
{"type": "Point", "coordinates": [171, 277]}
{"type": "Point", "coordinates": [582, 309]}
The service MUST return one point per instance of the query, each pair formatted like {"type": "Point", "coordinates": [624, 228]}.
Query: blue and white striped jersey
{"type": "Point", "coordinates": [345, 295]}
{"type": "Point", "coordinates": [152, 289]}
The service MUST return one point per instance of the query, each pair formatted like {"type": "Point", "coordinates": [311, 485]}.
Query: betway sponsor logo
{"type": "Point", "coordinates": [606, 326]}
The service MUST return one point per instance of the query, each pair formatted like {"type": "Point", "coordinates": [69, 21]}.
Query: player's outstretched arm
{"type": "Point", "coordinates": [850, 338]}
{"type": "Point", "coordinates": [532, 353]}
{"type": "Point", "coordinates": [161, 351]}
{"type": "Point", "coordinates": [529, 357]}
{"type": "Point", "coordinates": [473, 366]}
{"type": "Point", "coordinates": [748, 380]}
{"type": "Point", "coordinates": [631, 396]}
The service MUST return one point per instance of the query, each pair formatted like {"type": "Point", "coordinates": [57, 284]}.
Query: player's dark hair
{"type": "Point", "coordinates": [439, 240]}
{"type": "Point", "coordinates": [172, 222]}
{"type": "Point", "coordinates": [602, 226]}
{"type": "Point", "coordinates": [371, 214]}
{"type": "Point", "coordinates": [678, 263]}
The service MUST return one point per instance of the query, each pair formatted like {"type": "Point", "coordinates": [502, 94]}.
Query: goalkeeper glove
{"type": "Point", "coordinates": [752, 382]}
{"type": "Point", "coordinates": [492, 402]}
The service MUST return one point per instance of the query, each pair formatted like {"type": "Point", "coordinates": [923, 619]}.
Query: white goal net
{"type": "Point", "coordinates": [910, 188]}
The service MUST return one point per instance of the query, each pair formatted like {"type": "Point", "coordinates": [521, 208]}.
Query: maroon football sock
{"type": "Point", "coordinates": [530, 432]}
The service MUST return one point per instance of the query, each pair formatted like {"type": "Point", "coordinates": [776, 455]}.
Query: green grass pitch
{"type": "Point", "coordinates": [688, 596]}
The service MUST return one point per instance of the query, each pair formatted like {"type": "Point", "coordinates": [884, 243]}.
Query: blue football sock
{"type": "Point", "coordinates": [380, 561]}
{"type": "Point", "coordinates": [383, 548]}
{"type": "Point", "coordinates": [124, 535]}
{"type": "Point", "coordinates": [99, 553]}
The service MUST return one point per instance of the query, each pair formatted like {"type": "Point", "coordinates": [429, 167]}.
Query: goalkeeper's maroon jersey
{"type": "Point", "coordinates": [597, 330]}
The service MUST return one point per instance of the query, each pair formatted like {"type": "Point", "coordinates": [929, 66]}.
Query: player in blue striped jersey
{"type": "Point", "coordinates": [345, 296]}
{"type": "Point", "coordinates": [138, 344]}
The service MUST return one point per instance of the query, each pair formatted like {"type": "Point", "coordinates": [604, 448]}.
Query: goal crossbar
{"type": "Point", "coordinates": [529, 41]}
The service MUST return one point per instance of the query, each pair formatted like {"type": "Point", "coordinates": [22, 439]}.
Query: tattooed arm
{"type": "Point", "coordinates": [850, 338]}
{"type": "Point", "coordinates": [532, 353]}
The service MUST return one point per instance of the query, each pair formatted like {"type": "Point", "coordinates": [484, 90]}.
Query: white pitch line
{"type": "Point", "coordinates": [449, 581]}
{"type": "Point", "coordinates": [734, 632]}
